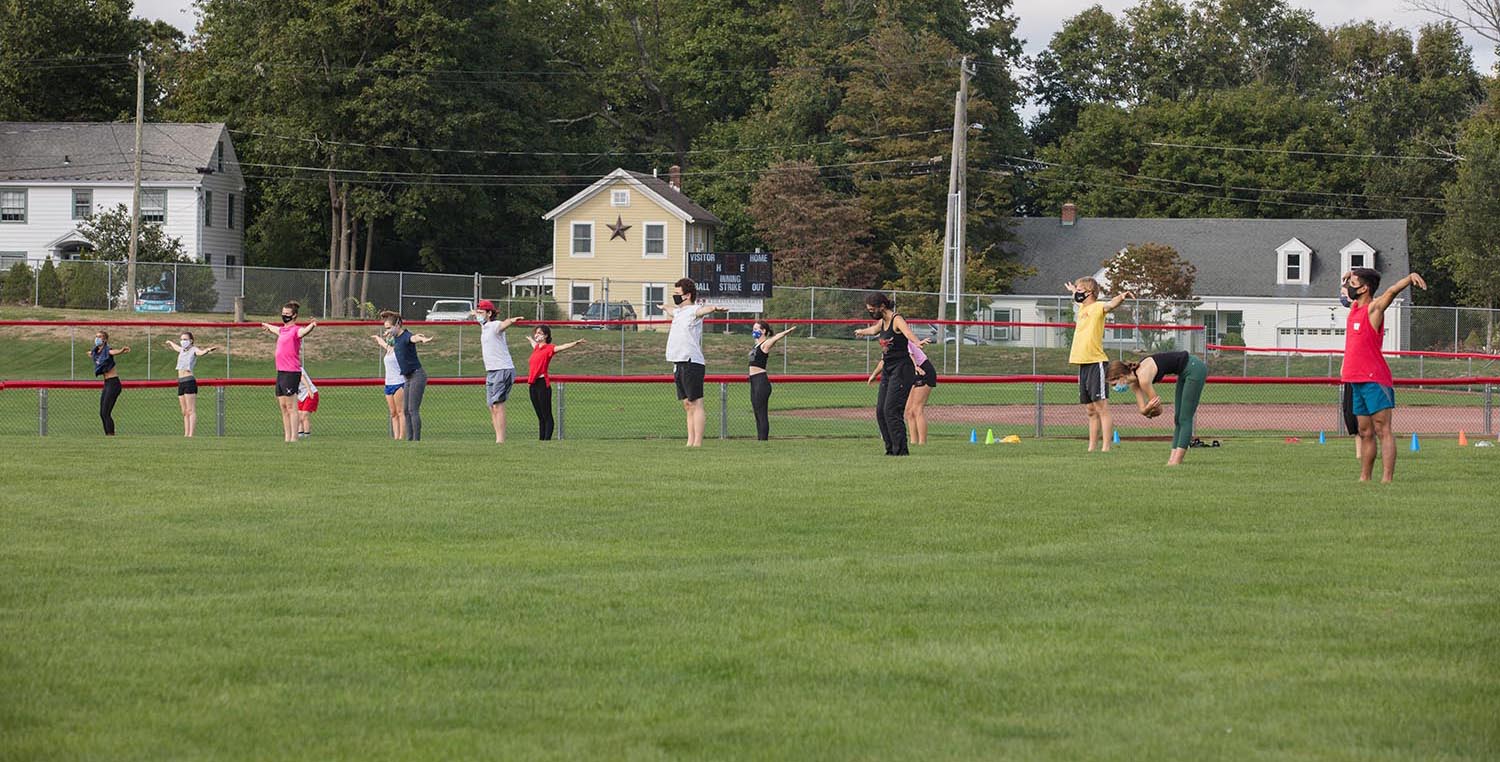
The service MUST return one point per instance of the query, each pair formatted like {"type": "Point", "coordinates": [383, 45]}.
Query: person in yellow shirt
{"type": "Point", "coordinates": [1088, 354]}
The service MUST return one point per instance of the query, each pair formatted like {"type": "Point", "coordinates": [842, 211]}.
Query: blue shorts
{"type": "Point", "coordinates": [1371, 397]}
{"type": "Point", "coordinates": [497, 384]}
{"type": "Point", "coordinates": [392, 389]}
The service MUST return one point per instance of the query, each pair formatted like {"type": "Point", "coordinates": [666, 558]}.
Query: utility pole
{"type": "Point", "coordinates": [952, 287]}
{"type": "Point", "coordinates": [135, 203]}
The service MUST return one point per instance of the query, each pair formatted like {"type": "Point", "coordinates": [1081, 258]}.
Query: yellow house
{"type": "Point", "coordinates": [625, 239]}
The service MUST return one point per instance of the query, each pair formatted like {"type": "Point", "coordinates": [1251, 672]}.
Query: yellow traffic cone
{"type": "Point", "coordinates": [989, 436]}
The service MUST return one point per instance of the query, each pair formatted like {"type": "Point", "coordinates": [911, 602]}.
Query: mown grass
{"type": "Point", "coordinates": [241, 599]}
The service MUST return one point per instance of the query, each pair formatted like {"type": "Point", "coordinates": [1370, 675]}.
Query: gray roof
{"type": "Point", "coordinates": [101, 152]}
{"type": "Point", "coordinates": [1234, 257]}
{"type": "Point", "coordinates": [676, 198]}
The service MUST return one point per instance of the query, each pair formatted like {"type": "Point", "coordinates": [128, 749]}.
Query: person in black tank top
{"type": "Point", "coordinates": [898, 375]}
{"type": "Point", "coordinates": [1141, 378]}
{"type": "Point", "coordinates": [760, 380]}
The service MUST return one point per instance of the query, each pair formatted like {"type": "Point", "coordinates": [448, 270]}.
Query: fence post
{"type": "Point", "coordinates": [41, 411]}
{"type": "Point", "coordinates": [219, 403]}
{"type": "Point", "coordinates": [325, 295]}
{"type": "Point", "coordinates": [109, 283]}
{"type": "Point", "coordinates": [1489, 426]}
{"type": "Point", "coordinates": [148, 353]}
{"type": "Point", "coordinates": [72, 349]}
{"type": "Point", "coordinates": [174, 288]}
{"type": "Point", "coordinates": [561, 407]}
{"type": "Point", "coordinates": [812, 309]}
{"type": "Point", "coordinates": [1039, 402]}
{"type": "Point", "coordinates": [36, 288]}
{"type": "Point", "coordinates": [226, 354]}
{"type": "Point", "coordinates": [723, 410]}
{"type": "Point", "coordinates": [461, 348]}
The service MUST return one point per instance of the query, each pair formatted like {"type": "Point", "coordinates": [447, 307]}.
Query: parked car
{"type": "Point", "coordinates": [155, 300]}
{"type": "Point", "coordinates": [615, 311]}
{"type": "Point", "coordinates": [450, 310]}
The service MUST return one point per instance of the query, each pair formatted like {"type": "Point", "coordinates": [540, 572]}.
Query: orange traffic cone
{"type": "Point", "coordinates": [1463, 439]}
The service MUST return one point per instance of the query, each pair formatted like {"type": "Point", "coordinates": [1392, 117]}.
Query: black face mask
{"type": "Point", "coordinates": [1352, 292]}
{"type": "Point", "coordinates": [1079, 296]}
{"type": "Point", "coordinates": [287, 318]}
{"type": "Point", "coordinates": [678, 298]}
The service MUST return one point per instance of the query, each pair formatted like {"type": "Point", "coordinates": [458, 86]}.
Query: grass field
{"type": "Point", "coordinates": [240, 599]}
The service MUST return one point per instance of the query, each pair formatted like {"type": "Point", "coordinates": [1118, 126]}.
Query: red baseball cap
{"type": "Point", "coordinates": [485, 304]}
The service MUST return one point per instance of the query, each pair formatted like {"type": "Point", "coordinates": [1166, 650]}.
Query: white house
{"type": "Point", "coordinates": [52, 175]}
{"type": "Point", "coordinates": [1272, 283]}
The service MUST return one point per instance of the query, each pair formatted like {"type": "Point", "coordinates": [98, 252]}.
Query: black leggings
{"type": "Point", "coordinates": [107, 399]}
{"type": "Point", "coordinates": [890, 406]}
{"type": "Point", "coordinates": [760, 402]}
{"type": "Point", "coordinates": [541, 402]}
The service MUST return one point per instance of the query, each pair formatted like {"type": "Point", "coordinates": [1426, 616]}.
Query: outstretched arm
{"type": "Point", "coordinates": [569, 345]}
{"type": "Point", "coordinates": [1119, 299]}
{"type": "Point", "coordinates": [709, 309]}
{"type": "Point", "coordinates": [120, 351]}
{"type": "Point", "coordinates": [204, 350]}
{"type": "Point", "coordinates": [765, 346]}
{"type": "Point", "coordinates": [172, 345]}
{"type": "Point", "coordinates": [306, 329]}
{"type": "Point", "coordinates": [271, 329]}
{"type": "Point", "coordinates": [510, 321]}
{"type": "Point", "coordinates": [869, 330]}
{"type": "Point", "coordinates": [1380, 303]}
{"type": "Point", "coordinates": [420, 338]}
{"type": "Point", "coordinates": [379, 342]}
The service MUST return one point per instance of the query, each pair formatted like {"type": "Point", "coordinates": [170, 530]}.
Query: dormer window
{"type": "Point", "coordinates": [1356, 254]}
{"type": "Point", "coordinates": [619, 198]}
{"type": "Point", "coordinates": [1293, 263]}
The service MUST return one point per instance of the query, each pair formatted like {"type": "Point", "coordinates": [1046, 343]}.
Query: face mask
{"type": "Point", "coordinates": [98, 342]}
{"type": "Point", "coordinates": [678, 298]}
{"type": "Point", "coordinates": [757, 334]}
{"type": "Point", "coordinates": [1079, 296]}
{"type": "Point", "coordinates": [1353, 292]}
{"type": "Point", "coordinates": [287, 318]}
{"type": "Point", "coordinates": [187, 343]}
{"type": "Point", "coordinates": [1121, 387]}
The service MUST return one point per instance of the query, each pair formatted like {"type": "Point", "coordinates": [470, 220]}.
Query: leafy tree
{"type": "Point", "coordinates": [819, 238]}
{"type": "Point", "coordinates": [109, 234]}
{"type": "Point", "coordinates": [1160, 280]}
{"type": "Point", "coordinates": [1470, 236]}
{"type": "Point", "coordinates": [18, 285]}
{"type": "Point", "coordinates": [49, 287]}
{"type": "Point", "coordinates": [86, 285]}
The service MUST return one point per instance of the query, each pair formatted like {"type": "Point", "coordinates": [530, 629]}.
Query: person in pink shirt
{"type": "Point", "coordinates": [1365, 369]}
{"type": "Point", "coordinates": [289, 364]}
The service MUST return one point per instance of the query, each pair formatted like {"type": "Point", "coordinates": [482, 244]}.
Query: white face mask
{"type": "Point", "coordinates": [186, 343]}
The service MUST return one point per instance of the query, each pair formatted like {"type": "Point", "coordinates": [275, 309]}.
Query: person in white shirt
{"type": "Point", "coordinates": [187, 382]}
{"type": "Point", "coordinates": [395, 386]}
{"type": "Point", "coordinates": [685, 352]}
{"type": "Point", "coordinates": [499, 368]}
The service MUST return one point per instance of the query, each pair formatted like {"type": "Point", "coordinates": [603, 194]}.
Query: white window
{"type": "Point", "coordinates": [208, 208]}
{"type": "Point", "coordinates": [655, 240]}
{"type": "Point", "coordinates": [219, 157]}
{"type": "Point", "coordinates": [619, 198]}
{"type": "Point", "coordinates": [1357, 254]}
{"type": "Point", "coordinates": [1293, 263]}
{"type": "Point", "coordinates": [583, 239]}
{"type": "Point", "coordinates": [1003, 332]}
{"type": "Point", "coordinates": [582, 296]}
{"type": "Point", "coordinates": [154, 205]}
{"type": "Point", "coordinates": [699, 238]}
{"type": "Point", "coordinates": [9, 259]}
{"type": "Point", "coordinates": [83, 203]}
{"type": "Point", "coordinates": [652, 297]}
{"type": "Point", "coordinates": [229, 215]}
{"type": "Point", "coordinates": [12, 205]}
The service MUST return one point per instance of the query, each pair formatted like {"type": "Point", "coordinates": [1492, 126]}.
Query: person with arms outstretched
{"type": "Point", "coordinates": [187, 382]}
{"type": "Point", "coordinates": [1373, 392]}
{"type": "Point", "coordinates": [104, 365]}
{"type": "Point", "coordinates": [289, 337]}
{"type": "Point", "coordinates": [685, 352]}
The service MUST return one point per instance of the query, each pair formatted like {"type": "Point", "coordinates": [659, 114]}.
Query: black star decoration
{"type": "Point", "coordinates": [618, 229]}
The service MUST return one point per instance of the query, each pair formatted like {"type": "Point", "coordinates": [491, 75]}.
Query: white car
{"type": "Point", "coordinates": [450, 310]}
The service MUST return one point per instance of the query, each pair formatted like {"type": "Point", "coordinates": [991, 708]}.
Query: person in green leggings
{"type": "Point", "coordinates": [1191, 374]}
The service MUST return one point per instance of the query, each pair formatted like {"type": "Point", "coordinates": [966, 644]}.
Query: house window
{"type": "Point", "coordinates": [1293, 263]}
{"type": "Point", "coordinates": [219, 157]}
{"type": "Point", "coordinates": [229, 215]}
{"type": "Point", "coordinates": [619, 198]}
{"type": "Point", "coordinates": [1293, 271]}
{"type": "Point", "coordinates": [12, 204]}
{"type": "Point", "coordinates": [154, 205]}
{"type": "Point", "coordinates": [229, 263]}
{"type": "Point", "coordinates": [208, 208]}
{"type": "Point", "coordinates": [583, 239]}
{"type": "Point", "coordinates": [699, 238]}
{"type": "Point", "coordinates": [582, 296]}
{"type": "Point", "coordinates": [1003, 332]}
{"type": "Point", "coordinates": [652, 297]}
{"type": "Point", "coordinates": [9, 259]}
{"type": "Point", "coordinates": [1357, 254]}
{"type": "Point", "coordinates": [1217, 325]}
{"type": "Point", "coordinates": [83, 203]}
{"type": "Point", "coordinates": [656, 240]}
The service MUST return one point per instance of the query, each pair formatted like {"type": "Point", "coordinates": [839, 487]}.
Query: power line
{"type": "Point", "coordinates": [590, 177]}
{"type": "Point", "coordinates": [585, 72]}
{"type": "Point", "coordinates": [1288, 151]}
{"type": "Point", "coordinates": [586, 154]}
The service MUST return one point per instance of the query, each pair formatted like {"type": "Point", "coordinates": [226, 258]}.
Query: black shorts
{"type": "Point", "coordinates": [187, 385]}
{"type": "Point", "coordinates": [287, 382]}
{"type": "Point", "coordinates": [928, 376]}
{"type": "Point", "coordinates": [688, 376]}
{"type": "Point", "coordinates": [1346, 402]}
{"type": "Point", "coordinates": [1091, 384]}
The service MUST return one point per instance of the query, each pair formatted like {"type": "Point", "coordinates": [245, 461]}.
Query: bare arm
{"type": "Point", "coordinates": [172, 345]}
{"type": "Point", "coordinates": [379, 342]}
{"type": "Point", "coordinates": [1379, 304]}
{"type": "Point", "coordinates": [1119, 299]}
{"type": "Point", "coordinates": [869, 330]}
{"type": "Point", "coordinates": [510, 321]}
{"type": "Point", "coordinates": [120, 351]}
{"type": "Point", "coordinates": [1145, 393]}
{"type": "Point", "coordinates": [670, 310]}
{"type": "Point", "coordinates": [876, 372]}
{"type": "Point", "coordinates": [708, 309]}
{"type": "Point", "coordinates": [306, 329]}
{"type": "Point", "coordinates": [204, 350]}
{"type": "Point", "coordinates": [765, 346]}
{"type": "Point", "coordinates": [900, 325]}
{"type": "Point", "coordinates": [570, 345]}
{"type": "Point", "coordinates": [271, 329]}
{"type": "Point", "coordinates": [420, 338]}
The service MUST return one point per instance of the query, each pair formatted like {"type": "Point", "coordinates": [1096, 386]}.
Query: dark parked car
{"type": "Point", "coordinates": [599, 311]}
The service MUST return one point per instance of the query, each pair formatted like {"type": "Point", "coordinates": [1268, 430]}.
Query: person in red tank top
{"type": "Point", "coordinates": [1365, 369]}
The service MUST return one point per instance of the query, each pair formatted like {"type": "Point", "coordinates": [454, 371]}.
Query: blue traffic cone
{"type": "Point", "coordinates": [973, 436]}
{"type": "Point", "coordinates": [1117, 436]}
{"type": "Point", "coordinates": [1415, 445]}
{"type": "Point", "coordinates": [1322, 439]}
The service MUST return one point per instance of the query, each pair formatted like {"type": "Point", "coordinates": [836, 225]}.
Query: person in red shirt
{"type": "Point", "coordinates": [542, 351]}
{"type": "Point", "coordinates": [1373, 391]}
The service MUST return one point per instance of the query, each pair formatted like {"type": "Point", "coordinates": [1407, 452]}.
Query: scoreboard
{"type": "Point", "coordinates": [723, 274]}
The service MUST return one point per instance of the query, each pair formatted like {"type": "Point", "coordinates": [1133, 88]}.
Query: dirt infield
{"type": "Point", "coordinates": [1211, 417]}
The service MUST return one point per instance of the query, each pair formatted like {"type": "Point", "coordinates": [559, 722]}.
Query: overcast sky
{"type": "Point", "coordinates": [1039, 19]}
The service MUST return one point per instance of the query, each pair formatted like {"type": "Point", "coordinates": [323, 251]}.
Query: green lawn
{"type": "Point", "coordinates": [242, 599]}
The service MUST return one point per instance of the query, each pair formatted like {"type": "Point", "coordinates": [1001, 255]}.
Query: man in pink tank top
{"type": "Point", "coordinates": [1365, 369]}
